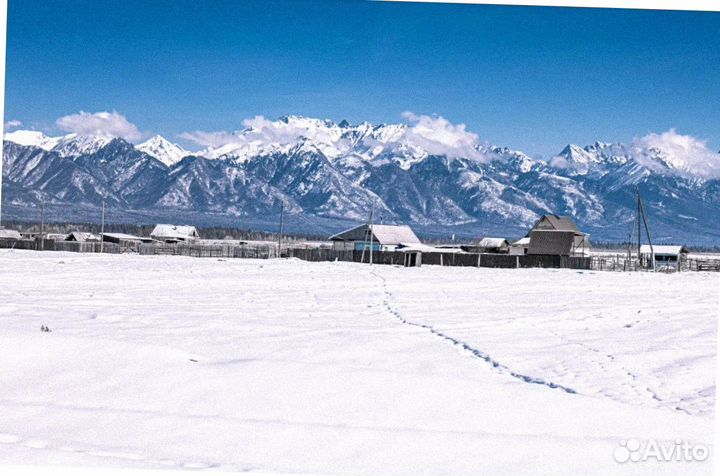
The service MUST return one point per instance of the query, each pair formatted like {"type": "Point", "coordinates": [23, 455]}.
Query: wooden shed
{"type": "Point", "coordinates": [666, 256]}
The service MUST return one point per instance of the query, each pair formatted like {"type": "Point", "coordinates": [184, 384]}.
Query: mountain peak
{"type": "Point", "coordinates": [32, 138]}
{"type": "Point", "coordinates": [163, 150]}
{"type": "Point", "coordinates": [73, 145]}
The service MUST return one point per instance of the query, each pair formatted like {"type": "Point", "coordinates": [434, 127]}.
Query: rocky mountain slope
{"type": "Point", "coordinates": [334, 172]}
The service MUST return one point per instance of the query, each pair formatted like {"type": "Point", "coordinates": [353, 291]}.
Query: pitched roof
{"type": "Point", "coordinates": [383, 234]}
{"type": "Point", "coordinates": [493, 242]}
{"type": "Point", "coordinates": [555, 222]}
{"type": "Point", "coordinates": [175, 231]}
{"type": "Point", "coordinates": [10, 234]}
{"type": "Point", "coordinates": [663, 249]}
{"type": "Point", "coordinates": [82, 236]}
{"type": "Point", "coordinates": [551, 242]}
{"type": "Point", "coordinates": [123, 236]}
{"type": "Point", "coordinates": [426, 248]}
{"type": "Point", "coordinates": [522, 241]}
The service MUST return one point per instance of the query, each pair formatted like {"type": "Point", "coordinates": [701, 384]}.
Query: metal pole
{"type": "Point", "coordinates": [102, 228]}
{"type": "Point", "coordinates": [282, 211]}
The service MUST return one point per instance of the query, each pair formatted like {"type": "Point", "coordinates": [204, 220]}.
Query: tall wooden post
{"type": "Point", "coordinates": [372, 219]}
{"type": "Point", "coordinates": [42, 225]}
{"type": "Point", "coordinates": [102, 227]}
{"type": "Point", "coordinates": [647, 231]}
{"type": "Point", "coordinates": [280, 234]}
{"type": "Point", "coordinates": [638, 224]}
{"type": "Point", "coordinates": [3, 36]}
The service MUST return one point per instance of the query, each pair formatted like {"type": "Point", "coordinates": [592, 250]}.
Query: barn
{"type": "Point", "coordinates": [556, 242]}
{"type": "Point", "coordinates": [382, 237]}
{"type": "Point", "coordinates": [551, 242]}
{"type": "Point", "coordinates": [174, 233]}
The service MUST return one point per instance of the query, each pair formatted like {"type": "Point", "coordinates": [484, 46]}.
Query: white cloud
{"type": "Point", "coordinates": [100, 123]}
{"type": "Point", "coordinates": [686, 155]}
{"type": "Point", "coordinates": [210, 139]}
{"type": "Point", "coordinates": [435, 135]}
{"type": "Point", "coordinates": [438, 136]}
{"type": "Point", "coordinates": [12, 124]}
{"type": "Point", "coordinates": [260, 131]}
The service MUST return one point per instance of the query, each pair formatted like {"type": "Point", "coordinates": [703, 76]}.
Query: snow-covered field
{"type": "Point", "coordinates": [341, 368]}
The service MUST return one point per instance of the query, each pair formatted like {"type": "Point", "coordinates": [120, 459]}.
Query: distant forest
{"type": "Point", "coordinates": [209, 233]}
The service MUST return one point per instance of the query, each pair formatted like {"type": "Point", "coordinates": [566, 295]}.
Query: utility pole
{"type": "Point", "coordinates": [638, 223]}
{"type": "Point", "coordinates": [102, 227]}
{"type": "Point", "coordinates": [647, 230]}
{"type": "Point", "coordinates": [3, 14]}
{"type": "Point", "coordinates": [280, 235]}
{"type": "Point", "coordinates": [372, 219]}
{"type": "Point", "coordinates": [42, 225]}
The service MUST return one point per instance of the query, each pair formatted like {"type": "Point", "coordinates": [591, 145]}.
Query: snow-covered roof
{"type": "Point", "coordinates": [175, 231]}
{"type": "Point", "coordinates": [122, 236]}
{"type": "Point", "coordinates": [663, 249]}
{"type": "Point", "coordinates": [522, 242]}
{"type": "Point", "coordinates": [426, 248]}
{"type": "Point", "coordinates": [10, 234]}
{"type": "Point", "coordinates": [383, 234]}
{"type": "Point", "coordinates": [82, 236]}
{"type": "Point", "coordinates": [488, 242]}
{"type": "Point", "coordinates": [555, 222]}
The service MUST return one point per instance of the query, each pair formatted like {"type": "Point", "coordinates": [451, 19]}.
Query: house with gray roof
{"type": "Point", "coordinates": [382, 237]}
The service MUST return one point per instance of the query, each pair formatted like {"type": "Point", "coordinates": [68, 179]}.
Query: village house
{"type": "Point", "coordinates": [81, 236]}
{"type": "Point", "coordinates": [174, 233]}
{"type": "Point", "coordinates": [9, 234]}
{"type": "Point", "coordinates": [382, 237]}
{"type": "Point", "coordinates": [556, 235]}
{"type": "Point", "coordinates": [491, 245]}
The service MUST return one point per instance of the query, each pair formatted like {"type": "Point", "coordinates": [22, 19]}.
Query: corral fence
{"type": "Point", "coordinates": [620, 262]}
{"type": "Point", "coordinates": [39, 244]}
{"type": "Point", "coordinates": [250, 250]}
{"type": "Point", "coordinates": [480, 260]}
{"type": "Point", "coordinates": [210, 251]}
{"type": "Point", "coordinates": [257, 250]}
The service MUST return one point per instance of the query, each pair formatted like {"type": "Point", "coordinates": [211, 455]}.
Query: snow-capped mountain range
{"type": "Point", "coordinates": [335, 171]}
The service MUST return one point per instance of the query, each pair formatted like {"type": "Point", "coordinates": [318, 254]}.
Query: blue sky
{"type": "Point", "coordinates": [531, 78]}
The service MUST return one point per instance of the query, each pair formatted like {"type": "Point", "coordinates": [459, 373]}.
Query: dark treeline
{"type": "Point", "coordinates": [209, 233]}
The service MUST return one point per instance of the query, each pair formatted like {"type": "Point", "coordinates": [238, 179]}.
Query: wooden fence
{"type": "Point", "coordinates": [479, 260]}
{"type": "Point", "coordinates": [256, 251]}
{"type": "Point", "coordinates": [180, 249]}
{"type": "Point", "coordinates": [616, 262]}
